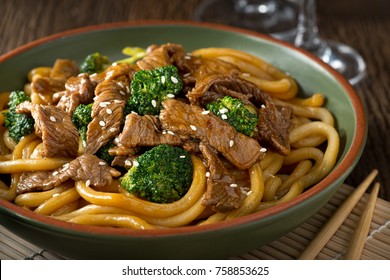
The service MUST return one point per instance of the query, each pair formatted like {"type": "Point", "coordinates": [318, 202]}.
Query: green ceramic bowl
{"type": "Point", "coordinates": [220, 240]}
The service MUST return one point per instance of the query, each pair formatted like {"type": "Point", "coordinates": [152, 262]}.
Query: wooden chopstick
{"type": "Point", "coordinates": [356, 245]}
{"type": "Point", "coordinates": [337, 219]}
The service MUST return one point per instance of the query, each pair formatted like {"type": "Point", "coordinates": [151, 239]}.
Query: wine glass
{"type": "Point", "coordinates": [277, 18]}
{"type": "Point", "coordinates": [341, 57]}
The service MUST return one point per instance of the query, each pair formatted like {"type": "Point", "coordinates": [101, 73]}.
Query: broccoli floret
{"type": "Point", "coordinates": [150, 87]}
{"type": "Point", "coordinates": [233, 110]}
{"type": "Point", "coordinates": [94, 63]}
{"type": "Point", "coordinates": [81, 118]}
{"type": "Point", "coordinates": [162, 174]}
{"type": "Point", "coordinates": [103, 153]}
{"type": "Point", "coordinates": [18, 125]}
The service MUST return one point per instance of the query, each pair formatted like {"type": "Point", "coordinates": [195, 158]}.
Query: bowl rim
{"type": "Point", "coordinates": [344, 167]}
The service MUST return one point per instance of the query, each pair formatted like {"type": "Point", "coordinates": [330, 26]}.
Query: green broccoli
{"type": "Point", "coordinates": [81, 117]}
{"type": "Point", "coordinates": [150, 87]}
{"type": "Point", "coordinates": [94, 63]}
{"type": "Point", "coordinates": [162, 174]}
{"type": "Point", "coordinates": [18, 125]}
{"type": "Point", "coordinates": [103, 153]}
{"type": "Point", "coordinates": [233, 110]}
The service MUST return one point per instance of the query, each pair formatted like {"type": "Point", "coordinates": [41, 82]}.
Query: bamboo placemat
{"type": "Point", "coordinates": [288, 247]}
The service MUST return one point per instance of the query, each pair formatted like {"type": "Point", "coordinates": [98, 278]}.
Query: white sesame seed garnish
{"type": "Point", "coordinates": [117, 101]}
{"type": "Point", "coordinates": [52, 118]}
{"type": "Point", "coordinates": [248, 193]}
{"type": "Point", "coordinates": [164, 132]}
{"type": "Point", "coordinates": [102, 123]}
{"type": "Point", "coordinates": [170, 132]}
{"type": "Point", "coordinates": [128, 162]}
{"type": "Point", "coordinates": [224, 117]}
{"type": "Point", "coordinates": [88, 183]}
{"type": "Point", "coordinates": [112, 129]}
{"type": "Point", "coordinates": [109, 111]}
{"type": "Point", "coordinates": [223, 110]}
{"type": "Point", "coordinates": [186, 75]}
{"type": "Point", "coordinates": [55, 173]}
{"type": "Point", "coordinates": [122, 92]}
{"type": "Point", "coordinates": [233, 185]}
{"type": "Point", "coordinates": [187, 56]}
{"type": "Point", "coordinates": [246, 74]}
{"type": "Point", "coordinates": [207, 174]}
{"type": "Point", "coordinates": [102, 163]}
{"type": "Point", "coordinates": [262, 106]}
{"type": "Point", "coordinates": [84, 143]}
{"type": "Point", "coordinates": [205, 112]}
{"type": "Point", "coordinates": [263, 150]}
{"type": "Point", "coordinates": [103, 104]}
{"type": "Point", "coordinates": [174, 80]}
{"type": "Point", "coordinates": [170, 95]}
{"type": "Point", "coordinates": [55, 195]}
{"type": "Point", "coordinates": [135, 163]}
{"type": "Point", "coordinates": [154, 103]}
{"type": "Point", "coordinates": [231, 143]}
{"type": "Point", "coordinates": [163, 79]}
{"type": "Point", "coordinates": [93, 75]}
{"type": "Point", "coordinates": [182, 156]}
{"type": "Point", "coordinates": [115, 64]}
{"type": "Point", "coordinates": [193, 127]}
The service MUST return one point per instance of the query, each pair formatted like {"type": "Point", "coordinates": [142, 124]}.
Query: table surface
{"type": "Point", "coordinates": [364, 25]}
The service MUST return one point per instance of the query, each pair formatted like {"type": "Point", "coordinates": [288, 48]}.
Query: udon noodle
{"type": "Point", "coordinates": [273, 179]}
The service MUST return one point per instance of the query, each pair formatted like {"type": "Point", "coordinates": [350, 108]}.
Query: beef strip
{"type": "Point", "coordinates": [142, 131]}
{"type": "Point", "coordinates": [84, 168]}
{"type": "Point", "coordinates": [166, 54]}
{"type": "Point", "coordinates": [42, 88]}
{"type": "Point", "coordinates": [188, 120]}
{"type": "Point", "coordinates": [78, 90]}
{"type": "Point", "coordinates": [107, 114]}
{"type": "Point", "coordinates": [274, 123]}
{"type": "Point", "coordinates": [60, 137]}
{"type": "Point", "coordinates": [222, 192]}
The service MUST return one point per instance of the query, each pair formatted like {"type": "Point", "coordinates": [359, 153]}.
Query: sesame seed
{"type": "Point", "coordinates": [182, 156]}
{"type": "Point", "coordinates": [102, 123]}
{"type": "Point", "coordinates": [186, 75]}
{"type": "Point", "coordinates": [103, 104]}
{"type": "Point", "coordinates": [207, 174]}
{"type": "Point", "coordinates": [84, 143]}
{"type": "Point", "coordinates": [93, 75]}
{"type": "Point", "coordinates": [262, 106]}
{"type": "Point", "coordinates": [55, 195]}
{"type": "Point", "coordinates": [115, 64]}
{"type": "Point", "coordinates": [52, 118]}
{"type": "Point", "coordinates": [102, 163]}
{"type": "Point", "coordinates": [248, 193]}
{"type": "Point", "coordinates": [187, 56]}
{"type": "Point", "coordinates": [193, 127]}
{"type": "Point", "coordinates": [55, 173]}
{"type": "Point", "coordinates": [170, 95]}
{"type": "Point", "coordinates": [224, 117]}
{"type": "Point", "coordinates": [246, 74]}
{"type": "Point", "coordinates": [233, 185]}
{"type": "Point", "coordinates": [112, 129]}
{"type": "Point", "coordinates": [117, 101]}
{"type": "Point", "coordinates": [135, 163]}
{"type": "Point", "coordinates": [170, 132]}
{"type": "Point", "coordinates": [223, 110]}
{"type": "Point", "coordinates": [231, 143]}
{"type": "Point", "coordinates": [205, 112]}
{"type": "Point", "coordinates": [263, 150]}
{"type": "Point", "coordinates": [163, 79]}
{"type": "Point", "coordinates": [109, 111]}
{"type": "Point", "coordinates": [154, 103]}
{"type": "Point", "coordinates": [88, 183]}
{"type": "Point", "coordinates": [174, 80]}
{"type": "Point", "coordinates": [164, 132]}
{"type": "Point", "coordinates": [122, 92]}
{"type": "Point", "coordinates": [128, 162]}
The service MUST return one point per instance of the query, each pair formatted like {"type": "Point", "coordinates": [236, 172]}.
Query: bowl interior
{"type": "Point", "coordinates": [311, 75]}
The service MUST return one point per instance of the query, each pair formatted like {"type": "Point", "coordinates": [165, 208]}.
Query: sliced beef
{"type": "Point", "coordinates": [274, 123]}
{"type": "Point", "coordinates": [142, 131]}
{"type": "Point", "coordinates": [167, 54]}
{"type": "Point", "coordinates": [84, 168]}
{"type": "Point", "coordinates": [60, 137]}
{"type": "Point", "coordinates": [43, 88]}
{"type": "Point", "coordinates": [222, 193]}
{"type": "Point", "coordinates": [117, 71]}
{"type": "Point", "coordinates": [189, 121]}
{"type": "Point", "coordinates": [78, 90]}
{"type": "Point", "coordinates": [107, 114]}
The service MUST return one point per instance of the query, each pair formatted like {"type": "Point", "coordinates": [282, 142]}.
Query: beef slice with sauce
{"type": "Point", "coordinates": [60, 137]}
{"type": "Point", "coordinates": [84, 168]}
{"type": "Point", "coordinates": [191, 121]}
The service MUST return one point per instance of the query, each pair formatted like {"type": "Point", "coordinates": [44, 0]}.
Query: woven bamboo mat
{"type": "Point", "coordinates": [287, 247]}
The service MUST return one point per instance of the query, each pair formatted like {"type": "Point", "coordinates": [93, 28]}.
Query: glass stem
{"type": "Point", "coordinates": [307, 36]}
